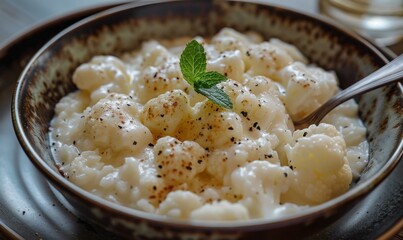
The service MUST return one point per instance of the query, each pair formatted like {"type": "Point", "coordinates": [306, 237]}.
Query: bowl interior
{"type": "Point", "coordinates": [48, 76]}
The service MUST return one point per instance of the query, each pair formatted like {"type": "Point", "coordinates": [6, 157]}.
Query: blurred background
{"type": "Point", "coordinates": [379, 20]}
{"type": "Point", "coordinates": [18, 15]}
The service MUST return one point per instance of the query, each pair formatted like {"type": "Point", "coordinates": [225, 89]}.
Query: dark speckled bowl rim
{"type": "Point", "coordinates": [250, 225]}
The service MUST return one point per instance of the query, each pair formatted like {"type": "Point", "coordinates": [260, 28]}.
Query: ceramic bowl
{"type": "Point", "coordinates": [47, 78]}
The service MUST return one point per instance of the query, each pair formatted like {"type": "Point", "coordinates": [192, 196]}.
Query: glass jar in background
{"type": "Point", "coordinates": [380, 20]}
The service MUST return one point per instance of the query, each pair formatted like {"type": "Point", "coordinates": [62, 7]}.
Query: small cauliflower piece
{"type": "Point", "coordinates": [102, 70]}
{"type": "Point", "coordinates": [212, 126]}
{"type": "Point", "coordinates": [307, 88]}
{"type": "Point", "coordinates": [228, 63]}
{"type": "Point", "coordinates": [218, 166]}
{"type": "Point", "coordinates": [70, 109]}
{"type": "Point", "coordinates": [221, 163]}
{"type": "Point", "coordinates": [179, 204]}
{"type": "Point", "coordinates": [113, 123]}
{"type": "Point", "coordinates": [266, 59]}
{"type": "Point", "coordinates": [290, 49]}
{"type": "Point", "coordinates": [345, 118]}
{"type": "Point", "coordinates": [159, 72]}
{"type": "Point", "coordinates": [75, 102]}
{"type": "Point", "coordinates": [178, 162]}
{"type": "Point", "coordinates": [317, 156]}
{"type": "Point", "coordinates": [153, 81]}
{"type": "Point", "coordinates": [151, 186]}
{"type": "Point", "coordinates": [228, 39]}
{"type": "Point", "coordinates": [165, 113]}
{"type": "Point", "coordinates": [153, 53]}
{"type": "Point", "coordinates": [220, 211]}
{"type": "Point", "coordinates": [87, 170]}
{"type": "Point", "coordinates": [261, 110]}
{"type": "Point", "coordinates": [130, 171]}
{"type": "Point", "coordinates": [358, 158]}
{"type": "Point", "coordinates": [259, 84]}
{"type": "Point", "coordinates": [261, 184]}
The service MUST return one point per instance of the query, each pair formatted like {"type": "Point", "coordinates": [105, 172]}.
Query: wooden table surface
{"type": "Point", "coordinates": [17, 16]}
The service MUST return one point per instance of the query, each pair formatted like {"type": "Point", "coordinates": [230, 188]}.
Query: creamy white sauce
{"type": "Point", "coordinates": [135, 133]}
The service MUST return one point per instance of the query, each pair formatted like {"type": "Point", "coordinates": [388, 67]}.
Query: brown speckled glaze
{"type": "Point", "coordinates": [47, 78]}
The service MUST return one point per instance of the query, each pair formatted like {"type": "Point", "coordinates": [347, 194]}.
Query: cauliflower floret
{"type": "Point", "coordinates": [220, 211]}
{"type": "Point", "coordinates": [257, 104]}
{"type": "Point", "coordinates": [218, 166]}
{"type": "Point", "coordinates": [178, 162]}
{"type": "Point", "coordinates": [266, 59]}
{"type": "Point", "coordinates": [212, 127]}
{"type": "Point", "coordinates": [228, 39]}
{"type": "Point", "coordinates": [87, 170]}
{"type": "Point", "coordinates": [160, 73]}
{"type": "Point", "coordinates": [113, 123]}
{"type": "Point", "coordinates": [228, 63]}
{"type": "Point", "coordinates": [75, 102]}
{"type": "Point", "coordinates": [307, 88]}
{"type": "Point", "coordinates": [318, 157]}
{"type": "Point", "coordinates": [103, 74]}
{"type": "Point", "coordinates": [290, 49]}
{"type": "Point", "coordinates": [135, 179]}
{"type": "Point", "coordinates": [70, 109]}
{"type": "Point", "coordinates": [130, 171]}
{"type": "Point", "coordinates": [93, 175]}
{"type": "Point", "coordinates": [154, 81]}
{"type": "Point", "coordinates": [263, 111]}
{"type": "Point", "coordinates": [123, 182]}
{"type": "Point", "coordinates": [179, 204]}
{"type": "Point", "coordinates": [221, 163]}
{"type": "Point", "coordinates": [154, 54]}
{"type": "Point", "coordinates": [165, 113]}
{"type": "Point", "coordinates": [260, 183]}
{"type": "Point", "coordinates": [151, 186]}
{"type": "Point", "coordinates": [344, 118]}
{"type": "Point", "coordinates": [260, 84]}
{"type": "Point", "coordinates": [358, 158]}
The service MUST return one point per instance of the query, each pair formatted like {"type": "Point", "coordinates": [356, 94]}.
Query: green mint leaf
{"type": "Point", "coordinates": [193, 62]}
{"type": "Point", "coordinates": [216, 95]}
{"type": "Point", "coordinates": [209, 79]}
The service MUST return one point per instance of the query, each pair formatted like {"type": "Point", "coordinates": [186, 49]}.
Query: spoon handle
{"type": "Point", "coordinates": [391, 72]}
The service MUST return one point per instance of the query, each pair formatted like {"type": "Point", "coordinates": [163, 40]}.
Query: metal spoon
{"type": "Point", "coordinates": [391, 72]}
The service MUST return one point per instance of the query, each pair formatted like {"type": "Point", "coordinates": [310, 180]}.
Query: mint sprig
{"type": "Point", "coordinates": [193, 67]}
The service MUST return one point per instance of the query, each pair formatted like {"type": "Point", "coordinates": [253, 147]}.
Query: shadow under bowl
{"type": "Point", "coordinates": [47, 78]}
